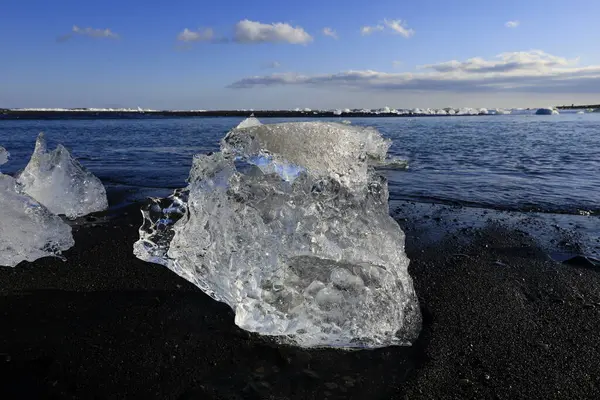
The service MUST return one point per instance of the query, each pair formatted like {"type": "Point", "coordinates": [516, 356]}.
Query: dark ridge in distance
{"type": "Point", "coordinates": [575, 107]}
{"type": "Point", "coordinates": [18, 114]}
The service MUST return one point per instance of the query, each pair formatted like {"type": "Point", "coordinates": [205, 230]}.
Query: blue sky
{"type": "Point", "coordinates": [394, 53]}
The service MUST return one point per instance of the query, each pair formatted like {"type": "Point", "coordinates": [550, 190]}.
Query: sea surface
{"type": "Point", "coordinates": [506, 162]}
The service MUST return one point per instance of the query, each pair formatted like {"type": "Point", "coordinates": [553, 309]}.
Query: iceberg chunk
{"type": "Point", "coordinates": [315, 260]}
{"type": "Point", "coordinates": [547, 111]}
{"type": "Point", "coordinates": [61, 183]}
{"type": "Point", "coordinates": [28, 231]}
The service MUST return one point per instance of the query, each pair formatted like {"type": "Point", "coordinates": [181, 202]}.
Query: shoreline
{"type": "Point", "coordinates": [23, 115]}
{"type": "Point", "coordinates": [501, 320]}
{"type": "Point", "coordinates": [28, 114]}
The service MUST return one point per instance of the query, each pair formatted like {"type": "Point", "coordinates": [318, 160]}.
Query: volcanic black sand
{"type": "Point", "coordinates": [501, 320]}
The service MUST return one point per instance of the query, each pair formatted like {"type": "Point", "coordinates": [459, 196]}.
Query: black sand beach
{"type": "Point", "coordinates": [501, 321]}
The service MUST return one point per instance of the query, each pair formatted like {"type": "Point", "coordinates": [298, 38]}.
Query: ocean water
{"type": "Point", "coordinates": [509, 162]}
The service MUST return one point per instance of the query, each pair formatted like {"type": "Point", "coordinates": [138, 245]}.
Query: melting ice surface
{"type": "Point", "coordinates": [3, 155]}
{"type": "Point", "coordinates": [60, 183]}
{"type": "Point", "coordinates": [248, 123]}
{"type": "Point", "coordinates": [288, 224]}
{"type": "Point", "coordinates": [28, 231]}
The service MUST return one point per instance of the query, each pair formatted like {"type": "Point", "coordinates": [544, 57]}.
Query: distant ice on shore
{"type": "Point", "coordinates": [288, 224]}
{"type": "Point", "coordinates": [547, 111]}
{"type": "Point", "coordinates": [334, 112]}
{"type": "Point", "coordinates": [424, 111]}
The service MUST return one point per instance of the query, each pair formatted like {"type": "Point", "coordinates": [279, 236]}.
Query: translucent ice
{"type": "Point", "coordinates": [547, 111]}
{"type": "Point", "coordinates": [3, 155]}
{"type": "Point", "coordinates": [289, 226]}
{"type": "Point", "coordinates": [28, 231]}
{"type": "Point", "coordinates": [249, 122]}
{"type": "Point", "coordinates": [324, 149]}
{"type": "Point", "coordinates": [60, 183]}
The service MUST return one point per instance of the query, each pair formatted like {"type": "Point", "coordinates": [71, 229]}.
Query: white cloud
{"type": "Point", "coordinates": [247, 31]}
{"type": "Point", "coordinates": [512, 24]}
{"type": "Point", "coordinates": [196, 36]}
{"type": "Point", "coordinates": [396, 63]}
{"type": "Point", "coordinates": [505, 62]}
{"type": "Point", "coordinates": [533, 72]}
{"type": "Point", "coordinates": [99, 33]}
{"type": "Point", "coordinates": [396, 26]}
{"type": "Point", "coordinates": [330, 32]}
{"type": "Point", "coordinates": [272, 64]}
{"type": "Point", "coordinates": [367, 30]}
{"type": "Point", "coordinates": [399, 27]}
{"type": "Point", "coordinates": [89, 32]}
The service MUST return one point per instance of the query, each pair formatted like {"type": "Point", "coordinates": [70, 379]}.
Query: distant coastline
{"type": "Point", "coordinates": [97, 113]}
{"type": "Point", "coordinates": [14, 114]}
{"type": "Point", "coordinates": [578, 107]}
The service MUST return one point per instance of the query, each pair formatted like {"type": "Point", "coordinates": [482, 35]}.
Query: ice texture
{"type": "Point", "coordinates": [324, 149]}
{"type": "Point", "coordinates": [61, 183]}
{"type": "Point", "coordinates": [3, 155]}
{"type": "Point", "coordinates": [28, 231]}
{"type": "Point", "coordinates": [249, 122]}
{"type": "Point", "coordinates": [547, 111]}
{"type": "Point", "coordinates": [288, 224]}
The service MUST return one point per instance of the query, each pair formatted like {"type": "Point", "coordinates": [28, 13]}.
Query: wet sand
{"type": "Point", "coordinates": [501, 321]}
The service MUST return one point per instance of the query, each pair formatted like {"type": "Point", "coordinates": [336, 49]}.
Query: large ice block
{"type": "Point", "coordinates": [289, 226]}
{"type": "Point", "coordinates": [61, 183]}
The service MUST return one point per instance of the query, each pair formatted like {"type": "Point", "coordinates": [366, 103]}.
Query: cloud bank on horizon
{"type": "Point", "coordinates": [523, 71]}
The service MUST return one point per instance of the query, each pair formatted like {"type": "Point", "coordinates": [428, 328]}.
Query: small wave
{"type": "Point", "coordinates": [392, 163]}
{"type": "Point", "coordinates": [522, 207]}
{"type": "Point", "coordinates": [111, 181]}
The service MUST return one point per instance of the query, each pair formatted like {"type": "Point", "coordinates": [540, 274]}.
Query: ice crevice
{"type": "Point", "coordinates": [288, 224]}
